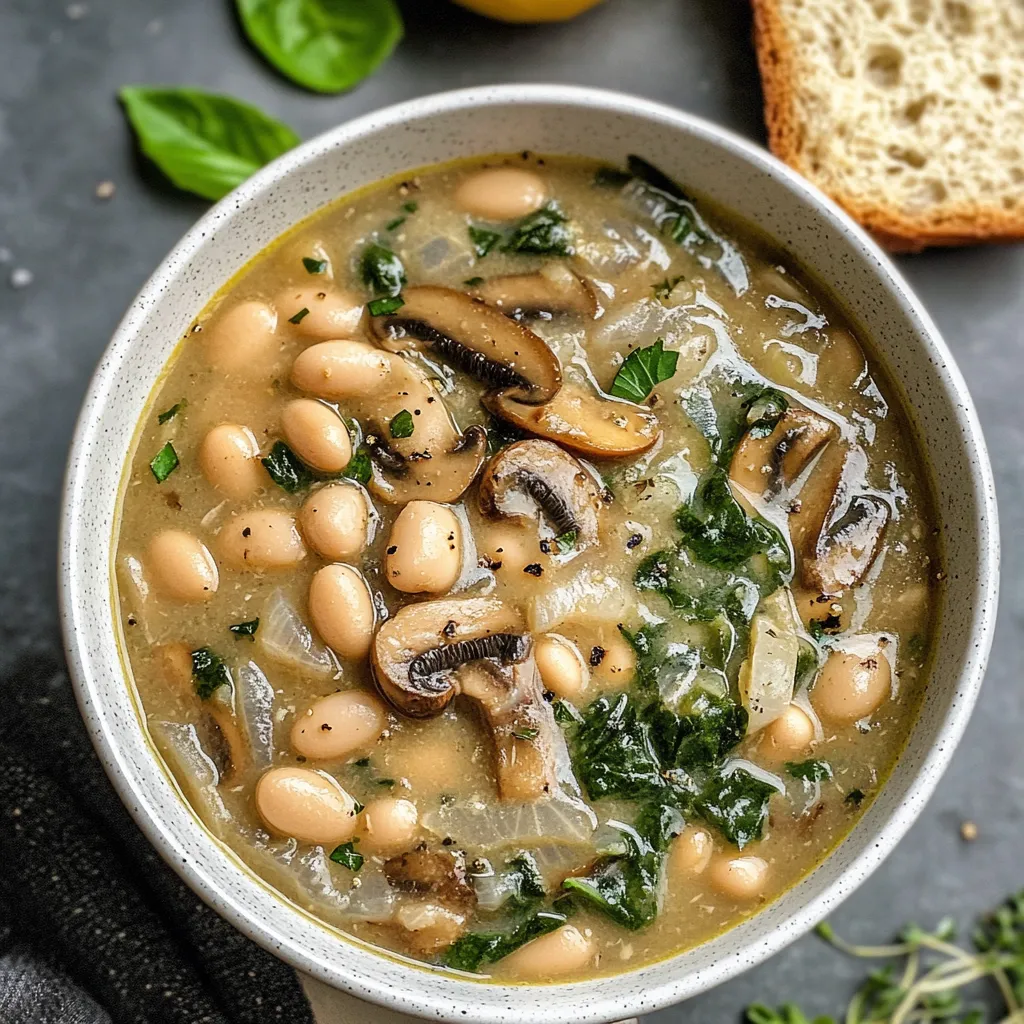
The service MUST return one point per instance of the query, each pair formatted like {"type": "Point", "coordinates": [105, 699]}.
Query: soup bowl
{"type": "Point", "coordinates": [553, 119]}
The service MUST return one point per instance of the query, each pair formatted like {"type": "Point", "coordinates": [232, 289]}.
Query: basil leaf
{"type": "Point", "coordinates": [286, 469]}
{"type": "Point", "coordinates": [208, 672]}
{"type": "Point", "coordinates": [164, 463]}
{"type": "Point", "coordinates": [204, 143]}
{"type": "Point", "coordinates": [643, 369]}
{"type": "Point", "coordinates": [401, 424]}
{"type": "Point", "coordinates": [346, 856]}
{"type": "Point", "coordinates": [246, 628]}
{"type": "Point", "coordinates": [324, 45]}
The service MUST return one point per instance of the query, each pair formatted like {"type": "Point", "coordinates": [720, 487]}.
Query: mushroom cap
{"type": "Point", "coordinates": [533, 478]}
{"type": "Point", "coordinates": [582, 419]}
{"type": "Point", "coordinates": [419, 629]}
{"type": "Point", "coordinates": [555, 289]}
{"type": "Point", "coordinates": [475, 338]}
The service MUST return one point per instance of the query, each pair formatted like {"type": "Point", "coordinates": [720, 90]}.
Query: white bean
{"type": "Point", "coordinates": [851, 686]}
{"type": "Point", "coordinates": [424, 552]}
{"type": "Point", "coordinates": [788, 735]}
{"type": "Point", "coordinates": [740, 878]}
{"type": "Point", "coordinates": [181, 567]}
{"type": "Point", "coordinates": [502, 193]}
{"type": "Point", "coordinates": [261, 539]}
{"type": "Point", "coordinates": [317, 435]}
{"type": "Point", "coordinates": [242, 340]}
{"type": "Point", "coordinates": [342, 369]}
{"type": "Point", "coordinates": [342, 610]}
{"type": "Point", "coordinates": [338, 725]}
{"type": "Point", "coordinates": [562, 668]}
{"type": "Point", "coordinates": [690, 853]}
{"type": "Point", "coordinates": [229, 457]}
{"type": "Point", "coordinates": [307, 805]}
{"type": "Point", "coordinates": [388, 827]}
{"type": "Point", "coordinates": [331, 314]}
{"type": "Point", "coordinates": [559, 952]}
{"type": "Point", "coordinates": [334, 522]}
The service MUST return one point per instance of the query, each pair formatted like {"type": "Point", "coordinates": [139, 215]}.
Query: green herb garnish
{"type": "Point", "coordinates": [382, 271]}
{"type": "Point", "coordinates": [382, 307]}
{"type": "Point", "coordinates": [612, 177]}
{"type": "Point", "coordinates": [396, 223]}
{"type": "Point", "coordinates": [385, 782]}
{"type": "Point", "coordinates": [346, 856]}
{"type": "Point", "coordinates": [543, 233]}
{"type": "Point", "coordinates": [401, 424]}
{"type": "Point", "coordinates": [297, 318]}
{"type": "Point", "coordinates": [204, 143]}
{"type": "Point", "coordinates": [525, 734]}
{"type": "Point", "coordinates": [854, 798]}
{"type": "Point", "coordinates": [314, 266]}
{"type": "Point", "coordinates": [643, 369]}
{"type": "Point", "coordinates": [169, 414]}
{"type": "Point", "coordinates": [472, 282]}
{"type": "Point", "coordinates": [360, 467]}
{"type": "Point", "coordinates": [208, 672]}
{"type": "Point", "coordinates": [566, 541]}
{"type": "Point", "coordinates": [324, 45]}
{"type": "Point", "coordinates": [411, 207]}
{"type": "Point", "coordinates": [810, 771]}
{"type": "Point", "coordinates": [246, 628]}
{"type": "Point", "coordinates": [483, 240]}
{"type": "Point", "coordinates": [286, 469]}
{"type": "Point", "coordinates": [164, 463]}
{"type": "Point", "coordinates": [475, 949]}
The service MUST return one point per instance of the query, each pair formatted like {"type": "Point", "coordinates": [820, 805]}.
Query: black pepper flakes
{"type": "Point", "coordinates": [596, 656]}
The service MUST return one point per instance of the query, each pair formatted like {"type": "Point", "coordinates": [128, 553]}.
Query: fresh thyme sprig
{"type": "Point", "coordinates": [925, 988]}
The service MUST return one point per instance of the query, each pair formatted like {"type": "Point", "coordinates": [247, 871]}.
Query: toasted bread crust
{"type": "Point", "coordinates": [963, 224]}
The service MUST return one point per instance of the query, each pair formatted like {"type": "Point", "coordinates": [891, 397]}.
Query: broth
{"type": "Point", "coordinates": [648, 651]}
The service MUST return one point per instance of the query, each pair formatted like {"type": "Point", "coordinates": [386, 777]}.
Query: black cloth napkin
{"type": "Point", "coordinates": [94, 927]}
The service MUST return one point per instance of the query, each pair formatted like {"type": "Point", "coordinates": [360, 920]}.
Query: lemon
{"type": "Point", "coordinates": [529, 10]}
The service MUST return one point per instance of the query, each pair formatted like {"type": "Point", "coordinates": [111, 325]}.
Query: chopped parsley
{"type": "Point", "coordinates": [396, 223]}
{"type": "Point", "coordinates": [314, 266]}
{"type": "Point", "coordinates": [472, 282]}
{"type": "Point", "coordinates": [566, 541]}
{"type": "Point", "coordinates": [382, 271]}
{"type": "Point", "coordinates": [401, 424]}
{"type": "Point", "coordinates": [483, 240]}
{"type": "Point", "coordinates": [286, 469]}
{"type": "Point", "coordinates": [526, 734]}
{"type": "Point", "coordinates": [382, 307]}
{"type": "Point", "coordinates": [164, 463]}
{"type": "Point", "coordinates": [543, 233]}
{"type": "Point", "coordinates": [346, 856]}
{"type": "Point", "coordinates": [297, 318]}
{"type": "Point", "coordinates": [208, 672]}
{"type": "Point", "coordinates": [246, 628]}
{"type": "Point", "coordinates": [643, 369]}
{"type": "Point", "coordinates": [169, 414]}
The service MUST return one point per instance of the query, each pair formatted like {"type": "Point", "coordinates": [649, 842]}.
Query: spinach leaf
{"type": "Point", "coordinates": [719, 532]}
{"type": "Point", "coordinates": [246, 628]}
{"type": "Point", "coordinates": [700, 734]}
{"type": "Point", "coordinates": [665, 203]}
{"type": "Point", "coordinates": [323, 45]}
{"type": "Point", "coordinates": [612, 177]}
{"type": "Point", "coordinates": [208, 672]}
{"type": "Point", "coordinates": [810, 771]}
{"type": "Point", "coordinates": [614, 753]}
{"type": "Point", "coordinates": [765, 411]}
{"type": "Point", "coordinates": [483, 240]}
{"type": "Point", "coordinates": [736, 803]}
{"type": "Point", "coordinates": [382, 307]}
{"type": "Point", "coordinates": [643, 369]}
{"type": "Point", "coordinates": [346, 856]}
{"type": "Point", "coordinates": [204, 143]}
{"type": "Point", "coordinates": [524, 881]}
{"type": "Point", "coordinates": [475, 949]}
{"type": "Point", "coordinates": [382, 271]}
{"type": "Point", "coordinates": [164, 463]}
{"type": "Point", "coordinates": [286, 469]}
{"type": "Point", "coordinates": [543, 233]}
{"type": "Point", "coordinates": [169, 414]}
{"type": "Point", "coordinates": [401, 424]}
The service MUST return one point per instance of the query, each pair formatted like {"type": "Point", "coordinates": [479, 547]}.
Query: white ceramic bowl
{"type": "Point", "coordinates": [545, 119]}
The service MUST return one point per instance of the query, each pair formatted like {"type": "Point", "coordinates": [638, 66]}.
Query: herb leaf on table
{"type": "Point", "coordinates": [324, 45]}
{"type": "Point", "coordinates": [203, 142]}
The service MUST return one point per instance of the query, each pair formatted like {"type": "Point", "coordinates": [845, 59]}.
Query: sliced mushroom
{"type": "Point", "coordinates": [556, 289]}
{"type": "Point", "coordinates": [838, 535]}
{"type": "Point", "coordinates": [531, 479]}
{"type": "Point", "coordinates": [475, 338]}
{"type": "Point", "coordinates": [430, 652]}
{"type": "Point", "coordinates": [582, 419]}
{"type": "Point", "coordinates": [760, 465]}
{"type": "Point", "coordinates": [440, 874]}
{"type": "Point", "coordinates": [435, 461]}
{"type": "Point", "coordinates": [417, 652]}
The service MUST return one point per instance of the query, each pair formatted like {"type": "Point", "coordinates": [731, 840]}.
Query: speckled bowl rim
{"type": "Point", "coordinates": [86, 614]}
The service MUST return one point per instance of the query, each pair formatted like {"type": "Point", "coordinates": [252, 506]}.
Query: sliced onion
{"type": "Point", "coordinates": [256, 710]}
{"type": "Point", "coordinates": [372, 900]}
{"type": "Point", "coordinates": [480, 826]}
{"type": "Point", "coordinates": [193, 768]}
{"type": "Point", "coordinates": [284, 636]}
{"type": "Point", "coordinates": [590, 595]}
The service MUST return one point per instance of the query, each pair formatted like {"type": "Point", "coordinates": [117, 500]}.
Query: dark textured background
{"type": "Point", "coordinates": [61, 133]}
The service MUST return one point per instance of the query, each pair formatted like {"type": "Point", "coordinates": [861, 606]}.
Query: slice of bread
{"type": "Point", "coordinates": [909, 113]}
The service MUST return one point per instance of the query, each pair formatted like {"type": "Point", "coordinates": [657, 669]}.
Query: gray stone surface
{"type": "Point", "coordinates": [61, 133]}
